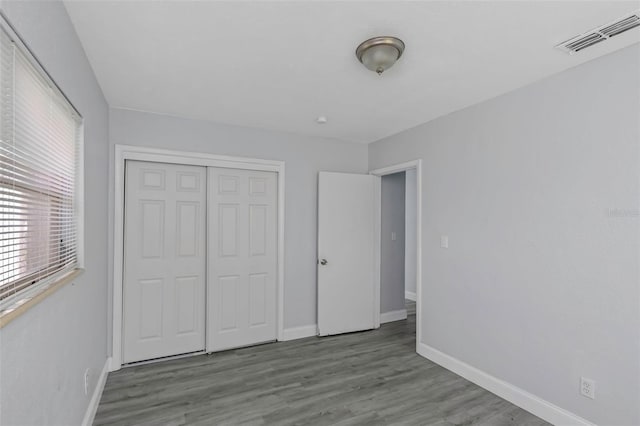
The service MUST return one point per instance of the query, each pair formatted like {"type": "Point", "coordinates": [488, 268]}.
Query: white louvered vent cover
{"type": "Point", "coordinates": [601, 33]}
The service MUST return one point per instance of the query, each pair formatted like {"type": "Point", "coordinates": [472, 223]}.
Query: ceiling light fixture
{"type": "Point", "coordinates": [380, 53]}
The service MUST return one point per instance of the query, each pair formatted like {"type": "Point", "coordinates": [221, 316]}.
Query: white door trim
{"type": "Point", "coordinates": [129, 152]}
{"type": "Point", "coordinates": [414, 164]}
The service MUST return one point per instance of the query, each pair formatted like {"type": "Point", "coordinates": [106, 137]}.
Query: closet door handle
{"type": "Point", "coordinates": [323, 262]}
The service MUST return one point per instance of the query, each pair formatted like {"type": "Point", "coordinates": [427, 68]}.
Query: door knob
{"type": "Point", "coordinates": [323, 262]}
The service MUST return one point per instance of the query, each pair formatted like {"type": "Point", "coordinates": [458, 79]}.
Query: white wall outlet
{"type": "Point", "coordinates": [587, 388]}
{"type": "Point", "coordinates": [444, 241]}
{"type": "Point", "coordinates": [87, 374]}
{"type": "Point", "coordinates": [393, 236]}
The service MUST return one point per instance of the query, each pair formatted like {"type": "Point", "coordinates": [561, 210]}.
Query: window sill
{"type": "Point", "coordinates": [15, 311]}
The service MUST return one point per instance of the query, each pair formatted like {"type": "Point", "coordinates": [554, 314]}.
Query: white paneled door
{"type": "Point", "coordinates": [242, 258]}
{"type": "Point", "coordinates": [164, 260]}
{"type": "Point", "coordinates": [348, 206]}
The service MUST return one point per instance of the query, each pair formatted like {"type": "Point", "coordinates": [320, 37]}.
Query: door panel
{"type": "Point", "coordinates": [228, 229]}
{"type": "Point", "coordinates": [242, 258]}
{"type": "Point", "coordinates": [257, 299]}
{"type": "Point", "coordinates": [152, 224]}
{"type": "Point", "coordinates": [347, 222]}
{"type": "Point", "coordinates": [164, 260]}
{"type": "Point", "coordinates": [186, 301]}
{"type": "Point", "coordinates": [151, 307]}
{"type": "Point", "coordinates": [188, 229]}
{"type": "Point", "coordinates": [227, 303]}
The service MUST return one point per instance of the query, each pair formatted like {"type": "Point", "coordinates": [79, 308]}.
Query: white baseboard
{"type": "Point", "coordinates": [393, 316]}
{"type": "Point", "coordinates": [410, 295]}
{"type": "Point", "coordinates": [523, 399]}
{"type": "Point", "coordinates": [90, 414]}
{"type": "Point", "coordinates": [300, 332]}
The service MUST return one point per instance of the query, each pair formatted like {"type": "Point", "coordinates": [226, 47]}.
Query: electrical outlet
{"type": "Point", "coordinates": [587, 388]}
{"type": "Point", "coordinates": [444, 241]}
{"type": "Point", "coordinates": [87, 374]}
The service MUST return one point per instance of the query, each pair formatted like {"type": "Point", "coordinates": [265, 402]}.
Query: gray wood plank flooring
{"type": "Point", "coordinates": [367, 378]}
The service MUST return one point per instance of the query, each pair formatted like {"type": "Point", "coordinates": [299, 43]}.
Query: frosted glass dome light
{"type": "Point", "coordinates": [380, 53]}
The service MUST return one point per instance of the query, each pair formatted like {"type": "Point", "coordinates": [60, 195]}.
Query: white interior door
{"type": "Point", "coordinates": [242, 258]}
{"type": "Point", "coordinates": [164, 260]}
{"type": "Point", "coordinates": [348, 298]}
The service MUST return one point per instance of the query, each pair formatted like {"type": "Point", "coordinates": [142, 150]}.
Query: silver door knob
{"type": "Point", "coordinates": [323, 262]}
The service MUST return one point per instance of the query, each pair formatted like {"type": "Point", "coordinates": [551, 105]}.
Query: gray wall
{"type": "Point", "coordinates": [538, 191]}
{"type": "Point", "coordinates": [411, 231]}
{"type": "Point", "coordinates": [392, 252]}
{"type": "Point", "coordinates": [45, 352]}
{"type": "Point", "coordinates": [304, 157]}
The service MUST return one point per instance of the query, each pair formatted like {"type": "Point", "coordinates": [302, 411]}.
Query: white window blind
{"type": "Point", "coordinates": [40, 136]}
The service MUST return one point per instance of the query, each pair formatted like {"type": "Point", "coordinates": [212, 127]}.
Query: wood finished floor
{"type": "Point", "coordinates": [368, 378]}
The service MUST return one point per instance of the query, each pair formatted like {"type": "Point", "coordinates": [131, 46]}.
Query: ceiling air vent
{"type": "Point", "coordinates": [601, 33]}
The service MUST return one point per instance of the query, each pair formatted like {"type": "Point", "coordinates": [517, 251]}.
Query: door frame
{"type": "Point", "coordinates": [396, 168]}
{"type": "Point", "coordinates": [157, 155]}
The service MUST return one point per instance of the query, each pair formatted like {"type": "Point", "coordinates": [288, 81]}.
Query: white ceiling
{"type": "Point", "coordinates": [279, 65]}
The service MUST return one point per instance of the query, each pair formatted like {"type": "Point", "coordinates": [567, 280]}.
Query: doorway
{"type": "Point", "coordinates": [396, 264]}
{"type": "Point", "coordinates": [350, 246]}
{"type": "Point", "coordinates": [400, 242]}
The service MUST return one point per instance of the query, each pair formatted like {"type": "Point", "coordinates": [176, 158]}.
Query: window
{"type": "Point", "coordinates": [40, 145]}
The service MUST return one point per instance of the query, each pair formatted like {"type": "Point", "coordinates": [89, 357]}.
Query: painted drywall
{"type": "Point", "coordinates": [304, 157]}
{"type": "Point", "coordinates": [44, 352]}
{"type": "Point", "coordinates": [411, 231]}
{"type": "Point", "coordinates": [392, 251]}
{"type": "Point", "coordinates": [538, 191]}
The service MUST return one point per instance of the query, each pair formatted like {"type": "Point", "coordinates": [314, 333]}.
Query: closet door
{"type": "Point", "coordinates": [164, 260]}
{"type": "Point", "coordinates": [242, 258]}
